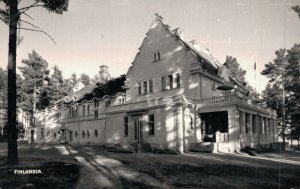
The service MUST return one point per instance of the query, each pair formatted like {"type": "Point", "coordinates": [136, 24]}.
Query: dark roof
{"type": "Point", "coordinates": [89, 92]}
{"type": "Point", "coordinates": [111, 88]}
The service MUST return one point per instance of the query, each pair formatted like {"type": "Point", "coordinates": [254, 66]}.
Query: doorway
{"type": "Point", "coordinates": [138, 130]}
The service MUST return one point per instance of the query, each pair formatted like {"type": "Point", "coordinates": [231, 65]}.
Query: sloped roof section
{"type": "Point", "coordinates": [111, 88]}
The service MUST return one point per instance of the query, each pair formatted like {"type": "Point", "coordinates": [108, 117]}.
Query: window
{"type": "Point", "coordinates": [139, 88]}
{"type": "Point", "coordinates": [177, 80]}
{"type": "Point", "coordinates": [191, 122]}
{"type": "Point", "coordinates": [170, 81]}
{"type": "Point", "coordinates": [151, 124]}
{"type": "Point", "coordinates": [121, 100]}
{"type": "Point", "coordinates": [213, 85]}
{"type": "Point", "coordinates": [76, 134]}
{"type": "Point", "coordinates": [88, 109]}
{"type": "Point", "coordinates": [107, 103]}
{"type": "Point", "coordinates": [163, 83]}
{"type": "Point", "coordinates": [247, 122]}
{"type": "Point", "coordinates": [54, 135]}
{"type": "Point", "coordinates": [82, 134]}
{"type": "Point", "coordinates": [70, 136]}
{"type": "Point", "coordinates": [96, 103]}
{"type": "Point", "coordinates": [74, 112]}
{"type": "Point", "coordinates": [42, 133]}
{"type": "Point", "coordinates": [88, 134]}
{"type": "Point", "coordinates": [48, 134]}
{"type": "Point", "coordinates": [96, 114]}
{"type": "Point", "coordinates": [125, 126]}
{"type": "Point", "coordinates": [96, 133]}
{"type": "Point", "coordinates": [83, 110]}
{"type": "Point", "coordinates": [151, 86]}
{"type": "Point", "coordinates": [253, 123]}
{"type": "Point", "coordinates": [156, 56]}
{"type": "Point", "coordinates": [145, 88]}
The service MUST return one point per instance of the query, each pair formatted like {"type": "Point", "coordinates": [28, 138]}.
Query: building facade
{"type": "Point", "coordinates": [174, 96]}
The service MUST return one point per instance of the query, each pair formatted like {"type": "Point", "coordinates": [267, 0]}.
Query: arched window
{"type": "Point", "coordinates": [54, 135]}
{"type": "Point", "coordinates": [82, 134]}
{"type": "Point", "coordinates": [88, 134]}
{"type": "Point", "coordinates": [76, 134]}
{"type": "Point", "coordinates": [96, 133]}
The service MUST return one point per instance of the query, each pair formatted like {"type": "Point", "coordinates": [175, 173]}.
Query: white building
{"type": "Point", "coordinates": [169, 99]}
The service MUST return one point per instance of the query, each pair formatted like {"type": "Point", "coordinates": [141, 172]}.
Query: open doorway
{"type": "Point", "coordinates": [213, 122]}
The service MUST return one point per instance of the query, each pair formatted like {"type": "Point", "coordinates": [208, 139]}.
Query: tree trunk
{"type": "Point", "coordinates": [12, 153]}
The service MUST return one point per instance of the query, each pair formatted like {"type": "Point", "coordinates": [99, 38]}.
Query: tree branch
{"type": "Point", "coordinates": [26, 22]}
{"type": "Point", "coordinates": [28, 16]}
{"type": "Point", "coordinates": [41, 31]}
{"type": "Point", "coordinates": [24, 9]}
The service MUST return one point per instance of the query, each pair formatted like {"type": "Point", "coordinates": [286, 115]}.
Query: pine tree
{"type": "Point", "coordinates": [11, 15]}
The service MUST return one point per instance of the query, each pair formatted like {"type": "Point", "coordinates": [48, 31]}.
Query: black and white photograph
{"type": "Point", "coordinates": [140, 94]}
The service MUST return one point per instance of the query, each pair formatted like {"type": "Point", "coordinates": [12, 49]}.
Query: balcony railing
{"type": "Point", "coordinates": [228, 99]}
{"type": "Point", "coordinates": [144, 104]}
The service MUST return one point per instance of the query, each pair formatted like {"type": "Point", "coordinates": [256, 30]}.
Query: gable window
{"type": "Point", "coordinates": [96, 114]}
{"type": "Point", "coordinates": [139, 88]}
{"type": "Point", "coordinates": [96, 103]}
{"type": "Point", "coordinates": [170, 81]}
{"type": "Point", "coordinates": [125, 126]}
{"type": "Point", "coordinates": [151, 124]}
{"type": "Point", "coordinates": [156, 56]}
{"type": "Point", "coordinates": [145, 88]}
{"type": "Point", "coordinates": [151, 86]}
{"type": "Point", "coordinates": [121, 100]}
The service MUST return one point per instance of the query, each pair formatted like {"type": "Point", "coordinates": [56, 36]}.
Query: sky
{"type": "Point", "coordinates": [104, 32]}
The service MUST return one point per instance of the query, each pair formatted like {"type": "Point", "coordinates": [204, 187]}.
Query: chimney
{"type": "Point", "coordinates": [179, 32]}
{"type": "Point", "coordinates": [195, 44]}
{"type": "Point", "coordinates": [104, 74]}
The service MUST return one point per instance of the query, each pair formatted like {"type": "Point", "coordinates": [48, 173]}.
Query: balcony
{"type": "Point", "coordinates": [196, 103]}
{"type": "Point", "coordinates": [229, 99]}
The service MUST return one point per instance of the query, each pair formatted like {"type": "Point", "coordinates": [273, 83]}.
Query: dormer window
{"type": "Point", "coordinates": [107, 103]}
{"type": "Point", "coordinates": [156, 56]}
{"type": "Point", "coordinates": [96, 103]}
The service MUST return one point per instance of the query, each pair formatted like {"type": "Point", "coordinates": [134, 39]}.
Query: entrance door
{"type": "Point", "coordinates": [63, 138]}
{"type": "Point", "coordinates": [32, 136]}
{"type": "Point", "coordinates": [138, 130]}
